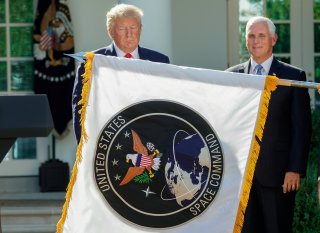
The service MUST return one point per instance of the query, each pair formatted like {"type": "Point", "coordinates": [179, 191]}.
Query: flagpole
{"type": "Point", "coordinates": [294, 83]}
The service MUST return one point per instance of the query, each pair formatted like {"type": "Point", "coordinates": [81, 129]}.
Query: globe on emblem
{"type": "Point", "coordinates": [187, 168]}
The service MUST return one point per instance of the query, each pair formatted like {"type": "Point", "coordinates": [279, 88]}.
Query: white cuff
{"type": "Point", "coordinates": [318, 178]}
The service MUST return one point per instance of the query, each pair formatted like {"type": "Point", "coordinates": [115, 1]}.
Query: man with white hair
{"type": "Point", "coordinates": [124, 28]}
{"type": "Point", "coordinates": [285, 143]}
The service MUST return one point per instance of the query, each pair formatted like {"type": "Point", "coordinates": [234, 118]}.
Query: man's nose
{"type": "Point", "coordinates": [256, 39]}
{"type": "Point", "coordinates": [259, 38]}
{"type": "Point", "coordinates": [128, 32]}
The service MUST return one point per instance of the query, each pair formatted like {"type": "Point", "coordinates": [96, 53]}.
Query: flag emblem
{"type": "Point", "coordinates": [142, 161]}
{"type": "Point", "coordinates": [158, 164]}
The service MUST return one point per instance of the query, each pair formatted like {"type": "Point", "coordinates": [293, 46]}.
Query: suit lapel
{"type": "Point", "coordinates": [142, 54]}
{"type": "Point", "coordinates": [274, 68]}
{"type": "Point", "coordinates": [245, 67]}
{"type": "Point", "coordinates": [110, 51]}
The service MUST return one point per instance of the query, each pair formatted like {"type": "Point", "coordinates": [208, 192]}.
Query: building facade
{"type": "Point", "coordinates": [205, 34]}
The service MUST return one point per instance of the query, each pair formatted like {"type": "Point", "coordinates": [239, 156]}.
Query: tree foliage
{"type": "Point", "coordinates": [307, 208]}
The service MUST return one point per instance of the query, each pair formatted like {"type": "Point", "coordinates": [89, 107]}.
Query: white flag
{"type": "Point", "coordinates": [164, 148]}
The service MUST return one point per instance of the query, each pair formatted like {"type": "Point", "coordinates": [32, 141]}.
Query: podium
{"type": "Point", "coordinates": [23, 116]}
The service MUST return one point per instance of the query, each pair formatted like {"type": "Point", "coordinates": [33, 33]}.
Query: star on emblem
{"type": "Point", "coordinates": [118, 147]}
{"type": "Point", "coordinates": [117, 177]}
{"type": "Point", "coordinates": [148, 191]}
{"type": "Point", "coordinates": [115, 162]}
{"type": "Point", "coordinates": [126, 134]}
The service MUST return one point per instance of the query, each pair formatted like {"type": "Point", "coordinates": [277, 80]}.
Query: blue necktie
{"type": "Point", "coordinates": [258, 69]}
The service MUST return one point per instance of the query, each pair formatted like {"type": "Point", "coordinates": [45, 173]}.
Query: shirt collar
{"type": "Point", "coordinates": [120, 53]}
{"type": "Point", "coordinates": [266, 65]}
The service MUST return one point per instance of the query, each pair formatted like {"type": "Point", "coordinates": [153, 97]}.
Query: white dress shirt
{"type": "Point", "coordinates": [266, 66]}
{"type": "Point", "coordinates": [120, 53]}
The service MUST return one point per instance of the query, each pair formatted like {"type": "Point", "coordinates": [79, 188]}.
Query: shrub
{"type": "Point", "coordinates": [307, 208]}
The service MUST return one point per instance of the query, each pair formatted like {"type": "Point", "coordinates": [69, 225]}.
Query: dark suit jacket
{"type": "Point", "coordinates": [144, 53]}
{"type": "Point", "coordinates": [287, 133]}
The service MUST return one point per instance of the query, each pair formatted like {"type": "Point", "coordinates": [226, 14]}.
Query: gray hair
{"type": "Point", "coordinates": [122, 10]}
{"type": "Point", "coordinates": [258, 19]}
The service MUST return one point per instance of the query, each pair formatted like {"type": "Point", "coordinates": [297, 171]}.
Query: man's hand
{"type": "Point", "coordinates": [291, 182]}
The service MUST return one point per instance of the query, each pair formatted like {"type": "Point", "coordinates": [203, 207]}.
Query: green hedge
{"type": "Point", "coordinates": [307, 208]}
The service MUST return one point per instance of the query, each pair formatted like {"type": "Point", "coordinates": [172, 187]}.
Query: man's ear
{"type": "Point", "coordinates": [274, 39]}
{"type": "Point", "coordinates": [110, 33]}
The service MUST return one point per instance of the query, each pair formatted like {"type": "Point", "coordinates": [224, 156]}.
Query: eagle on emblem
{"type": "Point", "coordinates": [141, 160]}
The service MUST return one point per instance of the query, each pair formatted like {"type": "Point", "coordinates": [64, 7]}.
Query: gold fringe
{"type": "Point", "coordinates": [86, 83]}
{"type": "Point", "coordinates": [270, 85]}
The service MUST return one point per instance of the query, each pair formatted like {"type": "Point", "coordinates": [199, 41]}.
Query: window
{"type": "Point", "coordinates": [16, 56]}
{"type": "Point", "coordinates": [16, 59]}
{"type": "Point", "coordinates": [279, 12]}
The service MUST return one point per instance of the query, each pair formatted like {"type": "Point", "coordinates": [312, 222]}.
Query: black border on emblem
{"type": "Point", "coordinates": [189, 157]}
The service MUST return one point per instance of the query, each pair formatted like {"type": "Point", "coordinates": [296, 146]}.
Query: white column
{"type": "Point", "coordinates": [156, 24]}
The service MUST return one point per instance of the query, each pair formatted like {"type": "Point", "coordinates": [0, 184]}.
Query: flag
{"type": "Point", "coordinates": [199, 128]}
{"type": "Point", "coordinates": [54, 72]}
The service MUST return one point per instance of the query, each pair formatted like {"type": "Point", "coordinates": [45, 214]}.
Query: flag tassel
{"type": "Point", "coordinates": [86, 81]}
{"type": "Point", "coordinates": [270, 85]}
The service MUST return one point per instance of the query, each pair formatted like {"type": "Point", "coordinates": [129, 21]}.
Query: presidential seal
{"type": "Point", "coordinates": [158, 164]}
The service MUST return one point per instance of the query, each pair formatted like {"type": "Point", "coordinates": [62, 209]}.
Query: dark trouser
{"type": "Point", "coordinates": [269, 210]}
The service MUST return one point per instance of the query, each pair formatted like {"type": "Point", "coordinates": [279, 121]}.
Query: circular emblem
{"type": "Point", "coordinates": [158, 164]}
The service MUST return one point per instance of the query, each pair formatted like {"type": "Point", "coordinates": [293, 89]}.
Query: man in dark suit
{"type": "Point", "coordinates": [285, 144]}
{"type": "Point", "coordinates": [124, 28]}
